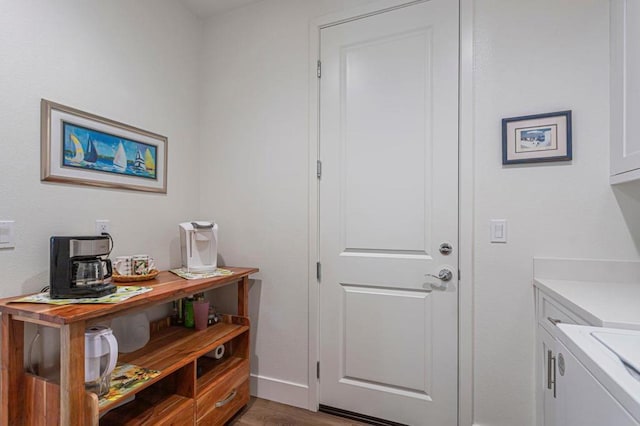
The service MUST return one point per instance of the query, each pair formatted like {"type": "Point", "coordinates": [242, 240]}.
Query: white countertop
{"type": "Point", "coordinates": [602, 304]}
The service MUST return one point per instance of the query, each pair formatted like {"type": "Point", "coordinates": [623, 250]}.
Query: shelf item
{"type": "Point", "coordinates": [183, 273]}
{"type": "Point", "coordinates": [189, 388]}
{"type": "Point", "coordinates": [122, 293]}
{"type": "Point", "coordinates": [166, 351]}
{"type": "Point", "coordinates": [125, 379]}
{"type": "Point", "coordinates": [134, 278]}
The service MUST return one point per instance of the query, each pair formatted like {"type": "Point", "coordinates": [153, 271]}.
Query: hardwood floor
{"type": "Point", "coordinates": [261, 412]}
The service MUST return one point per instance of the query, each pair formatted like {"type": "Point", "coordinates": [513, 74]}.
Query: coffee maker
{"type": "Point", "coordinates": [79, 267]}
{"type": "Point", "coordinates": [199, 246]}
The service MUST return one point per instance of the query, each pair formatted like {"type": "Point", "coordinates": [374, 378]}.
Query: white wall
{"type": "Point", "coordinates": [131, 61]}
{"type": "Point", "coordinates": [138, 62]}
{"type": "Point", "coordinates": [534, 57]}
{"type": "Point", "coordinates": [529, 57]}
{"type": "Point", "coordinates": [254, 163]}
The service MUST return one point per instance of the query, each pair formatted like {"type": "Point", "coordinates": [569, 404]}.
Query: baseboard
{"type": "Point", "coordinates": [282, 391]}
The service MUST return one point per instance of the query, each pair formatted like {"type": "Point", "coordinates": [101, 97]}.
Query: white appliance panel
{"type": "Point", "coordinates": [596, 387]}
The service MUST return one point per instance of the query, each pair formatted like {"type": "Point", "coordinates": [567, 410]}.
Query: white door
{"type": "Point", "coordinates": [388, 200]}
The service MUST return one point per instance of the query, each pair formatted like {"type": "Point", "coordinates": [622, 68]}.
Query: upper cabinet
{"type": "Point", "coordinates": [625, 91]}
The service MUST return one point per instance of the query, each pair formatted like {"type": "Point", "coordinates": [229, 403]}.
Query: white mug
{"type": "Point", "coordinates": [123, 264]}
{"type": "Point", "coordinates": [142, 264]}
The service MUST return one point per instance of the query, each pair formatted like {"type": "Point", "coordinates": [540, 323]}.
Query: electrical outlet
{"type": "Point", "coordinates": [103, 225]}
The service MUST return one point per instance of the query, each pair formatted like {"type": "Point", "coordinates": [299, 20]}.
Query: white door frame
{"type": "Point", "coordinates": [466, 194]}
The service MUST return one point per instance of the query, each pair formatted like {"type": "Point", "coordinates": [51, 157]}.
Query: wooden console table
{"type": "Point", "coordinates": [190, 389]}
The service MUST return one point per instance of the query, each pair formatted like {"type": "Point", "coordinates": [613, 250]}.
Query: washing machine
{"type": "Point", "coordinates": [597, 376]}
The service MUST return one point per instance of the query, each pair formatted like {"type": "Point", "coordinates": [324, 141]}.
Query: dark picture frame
{"type": "Point", "coordinates": [537, 138]}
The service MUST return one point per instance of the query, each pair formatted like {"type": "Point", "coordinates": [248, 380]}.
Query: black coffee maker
{"type": "Point", "coordinates": [79, 267]}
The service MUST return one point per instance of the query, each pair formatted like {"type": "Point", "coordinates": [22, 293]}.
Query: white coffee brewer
{"type": "Point", "coordinates": [199, 246]}
{"type": "Point", "coordinates": [100, 357]}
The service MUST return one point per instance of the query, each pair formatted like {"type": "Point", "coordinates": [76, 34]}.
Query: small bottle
{"type": "Point", "coordinates": [213, 316]}
{"type": "Point", "coordinates": [189, 320]}
{"type": "Point", "coordinates": [174, 313]}
{"type": "Point", "coordinates": [180, 317]}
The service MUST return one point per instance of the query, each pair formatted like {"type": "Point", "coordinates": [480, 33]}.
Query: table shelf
{"type": "Point", "coordinates": [176, 396]}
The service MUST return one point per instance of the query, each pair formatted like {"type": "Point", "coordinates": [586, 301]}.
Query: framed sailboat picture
{"type": "Point", "coordinates": [82, 148]}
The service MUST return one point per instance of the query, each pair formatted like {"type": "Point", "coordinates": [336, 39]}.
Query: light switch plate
{"type": "Point", "coordinates": [498, 230]}
{"type": "Point", "coordinates": [7, 234]}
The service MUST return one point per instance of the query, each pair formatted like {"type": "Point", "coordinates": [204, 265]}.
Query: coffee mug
{"type": "Point", "coordinates": [142, 264]}
{"type": "Point", "coordinates": [123, 264]}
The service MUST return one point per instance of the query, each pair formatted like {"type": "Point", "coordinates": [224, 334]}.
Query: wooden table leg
{"type": "Point", "coordinates": [12, 372]}
{"type": "Point", "coordinates": [72, 395]}
{"type": "Point", "coordinates": [243, 297]}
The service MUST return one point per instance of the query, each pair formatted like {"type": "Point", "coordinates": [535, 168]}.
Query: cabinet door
{"type": "Point", "coordinates": [625, 90]}
{"type": "Point", "coordinates": [582, 400]}
{"type": "Point", "coordinates": [546, 386]}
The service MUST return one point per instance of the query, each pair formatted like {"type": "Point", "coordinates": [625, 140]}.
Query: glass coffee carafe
{"type": "Point", "coordinates": [90, 272]}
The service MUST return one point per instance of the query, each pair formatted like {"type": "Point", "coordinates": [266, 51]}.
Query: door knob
{"type": "Point", "coordinates": [444, 275]}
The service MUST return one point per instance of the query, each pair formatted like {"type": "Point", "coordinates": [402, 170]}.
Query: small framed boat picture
{"type": "Point", "coordinates": [85, 149]}
{"type": "Point", "coordinates": [537, 138]}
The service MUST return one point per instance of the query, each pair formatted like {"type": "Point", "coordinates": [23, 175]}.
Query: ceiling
{"type": "Point", "coordinates": [207, 8]}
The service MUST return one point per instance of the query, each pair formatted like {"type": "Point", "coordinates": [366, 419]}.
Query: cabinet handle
{"type": "Point", "coordinates": [554, 377]}
{"type": "Point", "coordinates": [554, 321]}
{"type": "Point", "coordinates": [551, 372]}
{"type": "Point", "coordinates": [227, 399]}
{"type": "Point", "coordinates": [548, 369]}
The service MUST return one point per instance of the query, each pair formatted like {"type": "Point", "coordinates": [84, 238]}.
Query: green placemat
{"type": "Point", "coordinates": [181, 272]}
{"type": "Point", "coordinates": [124, 379]}
{"type": "Point", "coordinates": [123, 292]}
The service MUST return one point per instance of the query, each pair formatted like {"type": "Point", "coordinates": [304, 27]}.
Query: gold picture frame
{"type": "Point", "coordinates": [85, 149]}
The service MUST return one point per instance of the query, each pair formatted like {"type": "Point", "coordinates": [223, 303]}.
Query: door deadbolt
{"type": "Point", "coordinates": [446, 249]}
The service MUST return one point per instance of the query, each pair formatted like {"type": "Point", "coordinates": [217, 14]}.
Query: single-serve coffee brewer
{"type": "Point", "coordinates": [79, 267]}
{"type": "Point", "coordinates": [199, 246]}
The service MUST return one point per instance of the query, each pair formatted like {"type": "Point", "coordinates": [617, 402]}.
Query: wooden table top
{"type": "Point", "coordinates": [166, 287]}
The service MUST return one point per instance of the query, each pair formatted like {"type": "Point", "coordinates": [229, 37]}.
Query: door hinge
{"type": "Point", "coordinates": [318, 270]}
{"type": "Point", "coordinates": [319, 68]}
{"type": "Point", "coordinates": [459, 275]}
{"type": "Point", "coordinates": [319, 169]}
{"type": "Point", "coordinates": [318, 370]}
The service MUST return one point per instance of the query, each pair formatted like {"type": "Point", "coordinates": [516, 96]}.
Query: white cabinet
{"type": "Point", "coordinates": [546, 377]}
{"type": "Point", "coordinates": [625, 91]}
{"type": "Point", "coordinates": [549, 312]}
{"type": "Point", "coordinates": [581, 399]}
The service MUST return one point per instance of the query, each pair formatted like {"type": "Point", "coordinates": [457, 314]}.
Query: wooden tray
{"type": "Point", "coordinates": [134, 278]}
